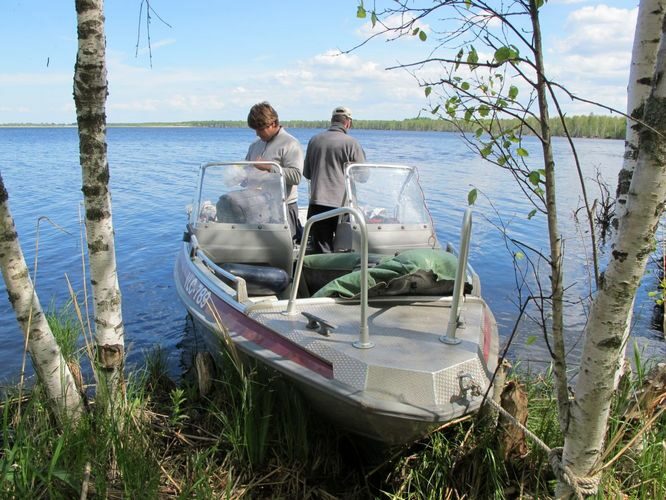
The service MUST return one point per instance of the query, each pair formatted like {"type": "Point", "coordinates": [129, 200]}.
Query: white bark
{"type": "Point", "coordinates": [644, 53]}
{"type": "Point", "coordinates": [646, 43]}
{"type": "Point", "coordinates": [47, 359]}
{"type": "Point", "coordinates": [90, 91]}
{"type": "Point", "coordinates": [605, 329]}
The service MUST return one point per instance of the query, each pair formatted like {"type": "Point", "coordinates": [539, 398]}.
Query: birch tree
{"type": "Point", "coordinates": [517, 55]}
{"type": "Point", "coordinates": [644, 52]}
{"type": "Point", "coordinates": [604, 333]}
{"type": "Point", "coordinates": [478, 94]}
{"type": "Point", "coordinates": [90, 91]}
{"type": "Point", "coordinates": [49, 364]}
{"type": "Point", "coordinates": [646, 43]}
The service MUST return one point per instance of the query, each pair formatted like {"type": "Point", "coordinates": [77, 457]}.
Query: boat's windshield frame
{"type": "Point", "coordinates": [409, 194]}
{"type": "Point", "coordinates": [200, 203]}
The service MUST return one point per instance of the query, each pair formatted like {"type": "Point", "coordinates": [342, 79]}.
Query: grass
{"type": "Point", "coordinates": [253, 436]}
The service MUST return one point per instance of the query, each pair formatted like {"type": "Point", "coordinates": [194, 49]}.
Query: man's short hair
{"type": "Point", "coordinates": [262, 115]}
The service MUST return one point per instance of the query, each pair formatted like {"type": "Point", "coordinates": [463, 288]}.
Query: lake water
{"type": "Point", "coordinates": [153, 173]}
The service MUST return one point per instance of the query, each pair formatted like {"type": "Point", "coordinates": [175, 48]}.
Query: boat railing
{"type": "Point", "coordinates": [364, 338]}
{"type": "Point", "coordinates": [458, 287]}
{"type": "Point", "coordinates": [238, 283]}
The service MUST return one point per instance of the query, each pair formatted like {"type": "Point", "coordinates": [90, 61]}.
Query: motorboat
{"type": "Point", "coordinates": [388, 337]}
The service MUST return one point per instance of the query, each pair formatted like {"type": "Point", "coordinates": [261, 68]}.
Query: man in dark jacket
{"type": "Point", "coordinates": [326, 156]}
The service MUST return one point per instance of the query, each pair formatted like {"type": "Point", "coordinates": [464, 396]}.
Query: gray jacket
{"type": "Point", "coordinates": [325, 158]}
{"type": "Point", "coordinates": [284, 149]}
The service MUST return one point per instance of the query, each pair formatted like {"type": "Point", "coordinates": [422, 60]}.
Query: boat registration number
{"type": "Point", "coordinates": [195, 289]}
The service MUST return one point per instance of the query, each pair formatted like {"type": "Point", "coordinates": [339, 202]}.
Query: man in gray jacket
{"type": "Point", "coordinates": [325, 158]}
{"type": "Point", "coordinates": [275, 144]}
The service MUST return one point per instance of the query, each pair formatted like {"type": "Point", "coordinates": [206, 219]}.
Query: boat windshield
{"type": "Point", "coordinates": [387, 194]}
{"type": "Point", "coordinates": [240, 193]}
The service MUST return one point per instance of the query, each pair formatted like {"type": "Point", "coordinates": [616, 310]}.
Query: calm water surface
{"type": "Point", "coordinates": [153, 172]}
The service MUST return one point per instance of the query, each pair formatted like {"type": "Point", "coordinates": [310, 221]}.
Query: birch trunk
{"type": "Point", "coordinates": [90, 91]}
{"type": "Point", "coordinates": [51, 368]}
{"type": "Point", "coordinates": [604, 332]}
{"type": "Point", "coordinates": [646, 43]}
{"type": "Point", "coordinates": [555, 238]}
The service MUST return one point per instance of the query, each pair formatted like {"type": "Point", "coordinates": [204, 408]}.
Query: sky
{"type": "Point", "coordinates": [214, 59]}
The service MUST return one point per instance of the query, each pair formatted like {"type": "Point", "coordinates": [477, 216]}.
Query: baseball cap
{"type": "Point", "coordinates": [342, 110]}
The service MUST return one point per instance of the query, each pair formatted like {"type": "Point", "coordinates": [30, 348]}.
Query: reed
{"type": "Point", "coordinates": [254, 436]}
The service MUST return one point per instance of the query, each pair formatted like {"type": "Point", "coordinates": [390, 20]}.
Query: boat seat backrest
{"type": "Point", "coordinates": [385, 238]}
{"type": "Point", "coordinates": [268, 245]}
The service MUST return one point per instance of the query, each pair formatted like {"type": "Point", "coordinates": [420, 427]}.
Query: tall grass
{"type": "Point", "coordinates": [254, 436]}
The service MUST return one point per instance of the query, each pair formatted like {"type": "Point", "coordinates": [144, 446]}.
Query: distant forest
{"type": "Point", "coordinates": [592, 126]}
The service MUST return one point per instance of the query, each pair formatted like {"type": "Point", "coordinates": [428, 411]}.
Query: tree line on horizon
{"type": "Point", "coordinates": [582, 126]}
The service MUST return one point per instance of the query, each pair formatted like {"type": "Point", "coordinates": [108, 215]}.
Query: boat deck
{"type": "Point", "coordinates": [408, 360]}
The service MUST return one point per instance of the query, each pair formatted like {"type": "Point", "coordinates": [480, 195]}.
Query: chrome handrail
{"type": "Point", "coordinates": [239, 285]}
{"type": "Point", "coordinates": [364, 340]}
{"type": "Point", "coordinates": [458, 287]}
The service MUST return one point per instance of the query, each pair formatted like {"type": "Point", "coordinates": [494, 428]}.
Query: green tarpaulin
{"type": "Point", "coordinates": [413, 272]}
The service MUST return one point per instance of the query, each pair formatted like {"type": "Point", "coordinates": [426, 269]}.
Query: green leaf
{"type": "Point", "coordinates": [423, 36]}
{"type": "Point", "coordinates": [652, 294]}
{"type": "Point", "coordinates": [531, 214]}
{"type": "Point", "coordinates": [435, 110]}
{"type": "Point", "coordinates": [531, 340]}
{"type": "Point", "coordinates": [484, 110]}
{"type": "Point", "coordinates": [373, 18]}
{"type": "Point", "coordinates": [519, 255]}
{"type": "Point", "coordinates": [360, 12]}
{"type": "Point", "coordinates": [468, 114]}
{"type": "Point", "coordinates": [472, 58]}
{"type": "Point", "coordinates": [471, 196]}
{"type": "Point", "coordinates": [458, 59]}
{"type": "Point", "coordinates": [513, 92]}
{"type": "Point", "coordinates": [486, 150]}
{"type": "Point", "coordinates": [465, 86]}
{"type": "Point", "coordinates": [501, 161]}
{"type": "Point", "coordinates": [416, 31]}
{"type": "Point", "coordinates": [427, 91]}
{"type": "Point", "coordinates": [502, 54]}
{"type": "Point", "coordinates": [523, 152]}
{"type": "Point", "coordinates": [479, 132]}
{"type": "Point", "coordinates": [534, 177]}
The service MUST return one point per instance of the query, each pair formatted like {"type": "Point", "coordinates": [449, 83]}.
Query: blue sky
{"type": "Point", "coordinates": [217, 58]}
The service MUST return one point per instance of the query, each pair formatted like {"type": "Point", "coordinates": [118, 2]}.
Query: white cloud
{"type": "Point", "coordinates": [599, 29]}
{"type": "Point", "coordinates": [593, 57]}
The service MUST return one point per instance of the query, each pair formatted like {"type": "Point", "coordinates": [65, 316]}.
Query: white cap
{"type": "Point", "coordinates": [344, 111]}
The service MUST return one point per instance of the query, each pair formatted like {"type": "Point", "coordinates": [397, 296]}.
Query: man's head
{"type": "Point", "coordinates": [342, 114]}
{"type": "Point", "coordinates": [264, 120]}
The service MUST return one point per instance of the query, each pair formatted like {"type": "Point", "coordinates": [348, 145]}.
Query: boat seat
{"type": "Point", "coordinates": [259, 279]}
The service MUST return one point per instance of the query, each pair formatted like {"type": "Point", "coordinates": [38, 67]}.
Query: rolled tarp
{"type": "Point", "coordinates": [412, 272]}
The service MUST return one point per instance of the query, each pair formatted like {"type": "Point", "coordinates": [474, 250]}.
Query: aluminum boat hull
{"type": "Point", "coordinates": [407, 384]}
